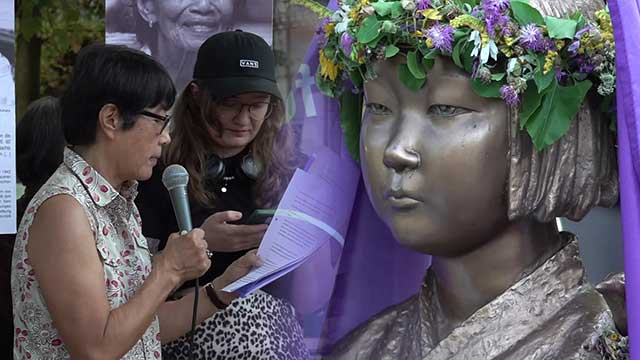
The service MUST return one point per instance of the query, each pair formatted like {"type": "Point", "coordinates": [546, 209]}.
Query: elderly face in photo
{"type": "Point", "coordinates": [184, 24]}
{"type": "Point", "coordinates": [172, 31]}
{"type": "Point", "coordinates": [6, 82]}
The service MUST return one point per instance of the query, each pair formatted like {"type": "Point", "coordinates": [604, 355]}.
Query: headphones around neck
{"type": "Point", "coordinates": [215, 169]}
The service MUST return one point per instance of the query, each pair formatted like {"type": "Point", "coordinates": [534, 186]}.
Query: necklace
{"type": "Point", "coordinates": [225, 183]}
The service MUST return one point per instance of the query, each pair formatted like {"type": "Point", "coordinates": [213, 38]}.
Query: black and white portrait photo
{"type": "Point", "coordinates": [7, 62]}
{"type": "Point", "coordinates": [172, 31]}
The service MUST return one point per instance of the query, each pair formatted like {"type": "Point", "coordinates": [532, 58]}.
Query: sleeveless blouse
{"type": "Point", "coordinates": [123, 250]}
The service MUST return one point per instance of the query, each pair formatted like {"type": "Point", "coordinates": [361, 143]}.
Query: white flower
{"type": "Point", "coordinates": [341, 17]}
{"type": "Point", "coordinates": [409, 5]}
{"type": "Point", "coordinates": [368, 10]}
{"type": "Point", "coordinates": [477, 42]}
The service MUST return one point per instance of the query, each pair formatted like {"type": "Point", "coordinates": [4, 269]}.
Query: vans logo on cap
{"type": "Point", "coordinates": [249, 64]}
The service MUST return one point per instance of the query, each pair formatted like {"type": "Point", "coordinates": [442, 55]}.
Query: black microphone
{"type": "Point", "coordinates": [175, 178]}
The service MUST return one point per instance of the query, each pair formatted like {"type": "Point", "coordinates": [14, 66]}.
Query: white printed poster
{"type": "Point", "coordinates": [7, 118]}
{"type": "Point", "coordinates": [172, 31]}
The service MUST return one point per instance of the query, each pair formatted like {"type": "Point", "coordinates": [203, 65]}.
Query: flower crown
{"type": "Point", "coordinates": [544, 65]}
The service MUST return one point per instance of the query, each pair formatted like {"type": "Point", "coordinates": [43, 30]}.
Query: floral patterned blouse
{"type": "Point", "coordinates": [123, 250]}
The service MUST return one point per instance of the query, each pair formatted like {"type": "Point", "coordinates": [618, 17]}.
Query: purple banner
{"type": "Point", "coordinates": [625, 15]}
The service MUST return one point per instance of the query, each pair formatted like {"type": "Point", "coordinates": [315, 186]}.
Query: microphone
{"type": "Point", "coordinates": [175, 178]}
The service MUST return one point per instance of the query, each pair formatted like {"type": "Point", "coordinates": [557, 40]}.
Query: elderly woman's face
{"type": "Point", "coordinates": [435, 161]}
{"type": "Point", "coordinates": [188, 23]}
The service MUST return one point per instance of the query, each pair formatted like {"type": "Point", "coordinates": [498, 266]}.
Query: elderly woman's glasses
{"type": "Point", "coordinates": [163, 120]}
{"type": "Point", "coordinates": [257, 110]}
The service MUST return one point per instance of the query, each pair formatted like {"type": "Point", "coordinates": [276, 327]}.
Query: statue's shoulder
{"type": "Point", "coordinates": [383, 335]}
{"type": "Point", "coordinates": [613, 290]}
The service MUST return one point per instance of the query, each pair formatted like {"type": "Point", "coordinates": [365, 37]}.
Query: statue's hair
{"type": "Point", "coordinates": [577, 172]}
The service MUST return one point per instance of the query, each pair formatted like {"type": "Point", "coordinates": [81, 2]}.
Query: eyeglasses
{"type": "Point", "coordinates": [258, 110]}
{"type": "Point", "coordinates": [159, 119]}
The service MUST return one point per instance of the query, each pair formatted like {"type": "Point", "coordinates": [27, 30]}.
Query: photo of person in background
{"type": "Point", "coordinates": [7, 44]}
{"type": "Point", "coordinates": [172, 31]}
{"type": "Point", "coordinates": [7, 85]}
{"type": "Point", "coordinates": [229, 132]}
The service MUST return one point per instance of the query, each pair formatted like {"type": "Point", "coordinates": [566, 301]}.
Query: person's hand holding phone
{"type": "Point", "coordinates": [224, 237]}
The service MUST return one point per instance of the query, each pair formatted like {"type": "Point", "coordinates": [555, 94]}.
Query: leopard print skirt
{"type": "Point", "coordinates": [258, 327]}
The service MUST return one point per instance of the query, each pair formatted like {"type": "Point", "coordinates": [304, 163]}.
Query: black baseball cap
{"type": "Point", "coordinates": [235, 62]}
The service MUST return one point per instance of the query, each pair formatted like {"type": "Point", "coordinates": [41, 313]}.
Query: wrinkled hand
{"type": "Point", "coordinates": [235, 271]}
{"type": "Point", "coordinates": [185, 256]}
{"type": "Point", "coordinates": [224, 237]}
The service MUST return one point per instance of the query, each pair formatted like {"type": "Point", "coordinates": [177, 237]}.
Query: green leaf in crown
{"type": "Point", "coordinates": [543, 65]}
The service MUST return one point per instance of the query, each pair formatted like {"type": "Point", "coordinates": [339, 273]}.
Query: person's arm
{"type": "Point", "coordinates": [175, 316]}
{"type": "Point", "coordinates": [68, 268]}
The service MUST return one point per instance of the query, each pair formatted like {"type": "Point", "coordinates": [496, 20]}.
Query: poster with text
{"type": "Point", "coordinates": [172, 31]}
{"type": "Point", "coordinates": [7, 119]}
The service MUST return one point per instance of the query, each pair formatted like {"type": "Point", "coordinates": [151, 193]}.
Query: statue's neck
{"type": "Point", "coordinates": [466, 283]}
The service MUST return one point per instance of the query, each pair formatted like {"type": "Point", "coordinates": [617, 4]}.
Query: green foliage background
{"type": "Point", "coordinates": [50, 33]}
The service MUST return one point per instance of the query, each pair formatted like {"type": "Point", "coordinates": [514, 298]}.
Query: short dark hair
{"type": "Point", "coordinates": [110, 74]}
{"type": "Point", "coordinates": [39, 142]}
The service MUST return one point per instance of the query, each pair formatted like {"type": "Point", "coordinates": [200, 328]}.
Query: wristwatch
{"type": "Point", "coordinates": [215, 300]}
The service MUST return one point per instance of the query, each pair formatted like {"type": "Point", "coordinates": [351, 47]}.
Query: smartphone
{"type": "Point", "coordinates": [260, 216]}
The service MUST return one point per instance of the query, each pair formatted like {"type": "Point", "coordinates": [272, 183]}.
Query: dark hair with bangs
{"type": "Point", "coordinates": [110, 74]}
{"type": "Point", "coordinates": [39, 143]}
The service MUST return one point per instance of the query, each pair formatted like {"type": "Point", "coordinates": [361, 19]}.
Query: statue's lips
{"type": "Point", "coordinates": [400, 200]}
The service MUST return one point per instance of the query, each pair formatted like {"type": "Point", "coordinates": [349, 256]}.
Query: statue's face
{"type": "Point", "coordinates": [435, 161]}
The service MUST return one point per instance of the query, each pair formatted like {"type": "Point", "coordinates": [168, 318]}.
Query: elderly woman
{"type": "Point", "coordinates": [477, 181]}
{"type": "Point", "coordinates": [230, 133]}
{"type": "Point", "coordinates": [170, 31]}
{"type": "Point", "coordinates": [84, 284]}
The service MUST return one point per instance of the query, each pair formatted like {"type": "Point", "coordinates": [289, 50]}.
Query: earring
{"type": "Point", "coordinates": [150, 24]}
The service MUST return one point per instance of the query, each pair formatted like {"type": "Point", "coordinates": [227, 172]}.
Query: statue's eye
{"type": "Point", "coordinates": [446, 110]}
{"type": "Point", "coordinates": [377, 109]}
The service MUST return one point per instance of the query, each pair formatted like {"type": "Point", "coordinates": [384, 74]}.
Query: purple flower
{"type": "Point", "coordinates": [474, 69]}
{"type": "Point", "coordinates": [585, 29]}
{"type": "Point", "coordinates": [423, 4]}
{"type": "Point", "coordinates": [560, 75]}
{"type": "Point", "coordinates": [550, 45]}
{"type": "Point", "coordinates": [584, 64]}
{"type": "Point", "coordinates": [441, 37]}
{"type": "Point", "coordinates": [586, 67]}
{"type": "Point", "coordinates": [532, 39]}
{"type": "Point", "coordinates": [323, 23]}
{"type": "Point", "coordinates": [498, 4]}
{"type": "Point", "coordinates": [509, 95]}
{"type": "Point", "coordinates": [346, 42]}
{"type": "Point", "coordinates": [495, 17]}
{"type": "Point", "coordinates": [574, 47]}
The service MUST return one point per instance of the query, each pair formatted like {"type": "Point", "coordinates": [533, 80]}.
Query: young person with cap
{"type": "Point", "coordinates": [230, 133]}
